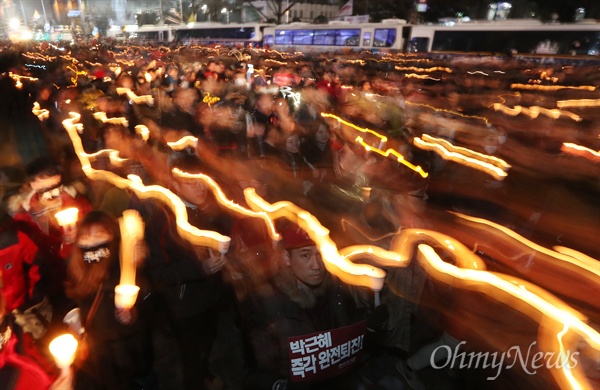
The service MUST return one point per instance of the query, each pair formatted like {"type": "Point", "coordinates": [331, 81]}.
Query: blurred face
{"type": "Point", "coordinates": [292, 144]}
{"type": "Point", "coordinates": [265, 104]}
{"type": "Point", "coordinates": [282, 108]}
{"type": "Point", "coordinates": [322, 135]}
{"type": "Point", "coordinates": [94, 243]}
{"type": "Point", "coordinates": [48, 188]}
{"type": "Point", "coordinates": [307, 265]}
{"type": "Point", "coordinates": [192, 191]}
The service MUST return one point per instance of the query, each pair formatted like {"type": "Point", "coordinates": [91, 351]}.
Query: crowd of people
{"type": "Point", "coordinates": [205, 320]}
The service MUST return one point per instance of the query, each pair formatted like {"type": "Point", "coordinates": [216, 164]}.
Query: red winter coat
{"type": "Point", "coordinates": [20, 271]}
{"type": "Point", "coordinates": [20, 372]}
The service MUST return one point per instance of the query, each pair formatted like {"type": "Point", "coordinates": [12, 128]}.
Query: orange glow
{"type": "Point", "coordinates": [77, 74]}
{"type": "Point", "coordinates": [578, 103]}
{"type": "Point", "coordinates": [420, 76]}
{"type": "Point", "coordinates": [583, 265]}
{"type": "Point", "coordinates": [101, 116]}
{"type": "Point", "coordinates": [356, 274]}
{"type": "Point", "coordinates": [450, 111]}
{"type": "Point", "coordinates": [535, 111]}
{"type": "Point", "coordinates": [132, 233]}
{"type": "Point", "coordinates": [582, 151]}
{"type": "Point", "coordinates": [222, 199]}
{"type": "Point", "coordinates": [144, 99]}
{"type": "Point", "coordinates": [388, 152]}
{"type": "Point", "coordinates": [184, 228]}
{"type": "Point", "coordinates": [432, 69]}
{"type": "Point", "coordinates": [67, 218]}
{"type": "Point", "coordinates": [42, 114]}
{"type": "Point", "coordinates": [143, 131]}
{"type": "Point", "coordinates": [491, 165]}
{"type": "Point", "coordinates": [552, 87]}
{"type": "Point", "coordinates": [532, 301]}
{"type": "Point", "coordinates": [184, 142]}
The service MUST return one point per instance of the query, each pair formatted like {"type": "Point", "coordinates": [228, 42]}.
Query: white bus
{"type": "Point", "coordinates": [231, 34]}
{"type": "Point", "coordinates": [507, 36]}
{"type": "Point", "coordinates": [388, 35]}
{"type": "Point", "coordinates": [150, 33]}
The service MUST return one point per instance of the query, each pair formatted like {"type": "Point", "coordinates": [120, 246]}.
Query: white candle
{"type": "Point", "coordinates": [126, 295]}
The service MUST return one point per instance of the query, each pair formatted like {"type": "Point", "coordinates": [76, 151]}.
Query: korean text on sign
{"type": "Point", "coordinates": [321, 355]}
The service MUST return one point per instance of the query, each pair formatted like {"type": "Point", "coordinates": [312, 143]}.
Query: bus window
{"type": "Point", "coordinates": [384, 37]}
{"type": "Point", "coordinates": [324, 37]}
{"type": "Point", "coordinates": [302, 37]}
{"type": "Point", "coordinates": [419, 45]}
{"type": "Point", "coordinates": [347, 37]}
{"type": "Point", "coordinates": [283, 37]}
{"type": "Point", "coordinates": [367, 38]}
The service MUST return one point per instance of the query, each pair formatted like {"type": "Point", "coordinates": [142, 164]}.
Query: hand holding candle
{"type": "Point", "coordinates": [67, 219]}
{"type": "Point", "coordinates": [132, 232]}
{"type": "Point", "coordinates": [63, 350]}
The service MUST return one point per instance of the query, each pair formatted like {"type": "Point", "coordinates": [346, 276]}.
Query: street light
{"type": "Point", "coordinates": [226, 11]}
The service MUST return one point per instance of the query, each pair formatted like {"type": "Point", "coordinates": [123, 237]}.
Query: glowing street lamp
{"type": "Point", "coordinates": [226, 12]}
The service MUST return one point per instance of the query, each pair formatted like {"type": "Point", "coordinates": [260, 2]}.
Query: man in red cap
{"type": "Point", "coordinates": [303, 257]}
{"type": "Point", "coordinates": [302, 298]}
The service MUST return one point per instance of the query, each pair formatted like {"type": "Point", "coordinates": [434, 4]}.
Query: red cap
{"type": "Point", "coordinates": [295, 237]}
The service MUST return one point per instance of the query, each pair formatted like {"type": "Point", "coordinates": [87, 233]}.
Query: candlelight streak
{"type": "Point", "coordinates": [491, 165]}
{"type": "Point", "coordinates": [535, 111]}
{"type": "Point", "coordinates": [184, 228]}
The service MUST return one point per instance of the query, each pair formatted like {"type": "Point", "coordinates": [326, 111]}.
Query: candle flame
{"type": "Point", "coordinates": [132, 233]}
{"type": "Point", "coordinates": [67, 217]}
{"type": "Point", "coordinates": [63, 350]}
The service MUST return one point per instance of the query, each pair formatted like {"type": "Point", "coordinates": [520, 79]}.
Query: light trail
{"type": "Point", "coordinates": [491, 165]}
{"type": "Point", "coordinates": [184, 228]}
{"type": "Point", "coordinates": [535, 111]}
{"type": "Point", "coordinates": [399, 157]}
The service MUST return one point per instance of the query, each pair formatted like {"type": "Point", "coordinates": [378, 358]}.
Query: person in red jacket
{"type": "Point", "coordinates": [34, 214]}
{"type": "Point", "coordinates": [17, 372]}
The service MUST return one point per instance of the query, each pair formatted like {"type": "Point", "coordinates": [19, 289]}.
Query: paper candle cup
{"type": "Point", "coordinates": [126, 295]}
{"type": "Point", "coordinates": [73, 319]}
{"type": "Point", "coordinates": [224, 246]}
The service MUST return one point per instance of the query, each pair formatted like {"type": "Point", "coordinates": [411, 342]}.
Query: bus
{"type": "Point", "coordinates": [508, 36]}
{"type": "Point", "coordinates": [231, 34]}
{"type": "Point", "coordinates": [149, 33]}
{"type": "Point", "coordinates": [390, 34]}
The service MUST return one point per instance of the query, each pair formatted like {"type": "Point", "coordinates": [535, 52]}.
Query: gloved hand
{"type": "Point", "coordinates": [377, 320]}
